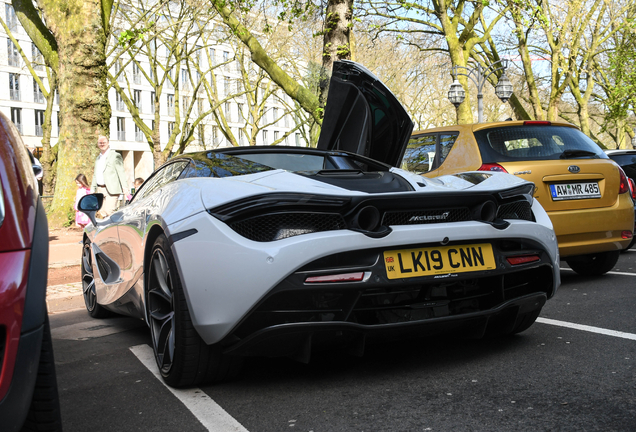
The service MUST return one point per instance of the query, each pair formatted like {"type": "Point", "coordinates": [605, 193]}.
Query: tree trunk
{"type": "Point", "coordinates": [73, 42]}
{"type": "Point", "coordinates": [84, 107]}
{"type": "Point", "coordinates": [336, 40]}
{"type": "Point", "coordinates": [49, 155]}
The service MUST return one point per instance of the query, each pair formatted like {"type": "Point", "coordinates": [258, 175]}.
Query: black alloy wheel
{"type": "Point", "coordinates": [88, 284]}
{"type": "Point", "coordinates": [161, 310]}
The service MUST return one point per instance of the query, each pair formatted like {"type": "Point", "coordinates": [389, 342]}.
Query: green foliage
{"type": "Point", "coordinates": [129, 37]}
{"type": "Point", "coordinates": [621, 96]}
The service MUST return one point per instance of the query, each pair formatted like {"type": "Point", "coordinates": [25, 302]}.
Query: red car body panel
{"type": "Point", "coordinates": [14, 267]}
{"type": "Point", "coordinates": [20, 191]}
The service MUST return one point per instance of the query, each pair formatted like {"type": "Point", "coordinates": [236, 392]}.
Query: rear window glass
{"type": "Point", "coordinates": [514, 143]}
{"type": "Point", "coordinates": [627, 161]}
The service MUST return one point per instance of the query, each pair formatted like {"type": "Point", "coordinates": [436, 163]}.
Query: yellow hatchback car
{"type": "Point", "coordinates": [584, 192]}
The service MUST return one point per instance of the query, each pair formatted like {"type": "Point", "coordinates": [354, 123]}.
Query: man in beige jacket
{"type": "Point", "coordinates": [109, 177]}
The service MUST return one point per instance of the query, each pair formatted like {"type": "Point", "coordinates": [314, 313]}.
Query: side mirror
{"type": "Point", "coordinates": [90, 204]}
{"type": "Point", "coordinates": [37, 170]}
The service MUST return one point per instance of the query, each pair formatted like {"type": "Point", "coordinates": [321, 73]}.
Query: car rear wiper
{"type": "Point", "coordinates": [567, 154]}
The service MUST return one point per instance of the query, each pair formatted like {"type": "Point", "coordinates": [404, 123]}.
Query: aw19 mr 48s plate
{"type": "Point", "coordinates": [570, 191]}
{"type": "Point", "coordinates": [409, 263]}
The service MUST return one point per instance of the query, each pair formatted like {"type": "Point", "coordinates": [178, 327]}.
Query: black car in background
{"type": "Point", "coordinates": [626, 159]}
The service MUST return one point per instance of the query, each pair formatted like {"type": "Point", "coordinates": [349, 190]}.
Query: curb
{"type": "Point", "coordinates": [70, 263]}
{"type": "Point", "coordinates": [60, 298]}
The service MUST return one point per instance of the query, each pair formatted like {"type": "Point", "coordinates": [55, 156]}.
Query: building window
{"type": "Point", "coordinates": [185, 104]}
{"type": "Point", "coordinates": [170, 128]}
{"type": "Point", "coordinates": [137, 100]}
{"type": "Point", "coordinates": [119, 73]}
{"type": "Point", "coordinates": [212, 57]}
{"type": "Point", "coordinates": [170, 104]}
{"type": "Point", "coordinates": [136, 74]}
{"type": "Point", "coordinates": [168, 79]}
{"type": "Point", "coordinates": [119, 102]}
{"type": "Point", "coordinates": [121, 129]}
{"type": "Point", "coordinates": [226, 85]}
{"type": "Point", "coordinates": [228, 111]}
{"type": "Point", "coordinates": [297, 140]}
{"type": "Point", "coordinates": [200, 105]}
{"type": "Point", "coordinates": [14, 86]}
{"type": "Point", "coordinates": [275, 115]}
{"type": "Point", "coordinates": [226, 57]}
{"type": "Point", "coordinates": [286, 120]}
{"type": "Point", "coordinates": [38, 58]}
{"type": "Point", "coordinates": [39, 122]}
{"type": "Point", "coordinates": [16, 118]}
{"type": "Point", "coordinates": [185, 80]}
{"type": "Point", "coordinates": [12, 19]}
{"type": "Point", "coordinates": [139, 135]}
{"type": "Point", "coordinates": [201, 134]}
{"type": "Point", "coordinates": [13, 56]}
{"type": "Point", "coordinates": [38, 96]}
{"type": "Point", "coordinates": [264, 137]}
{"type": "Point", "coordinates": [215, 135]}
{"type": "Point", "coordinates": [275, 136]}
{"type": "Point", "coordinates": [152, 103]}
{"type": "Point", "coordinates": [241, 117]}
{"type": "Point", "coordinates": [241, 137]}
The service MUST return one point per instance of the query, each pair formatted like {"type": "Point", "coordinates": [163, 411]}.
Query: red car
{"type": "Point", "coordinates": [28, 386]}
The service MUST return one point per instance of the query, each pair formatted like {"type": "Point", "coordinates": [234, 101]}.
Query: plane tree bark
{"type": "Point", "coordinates": [73, 43]}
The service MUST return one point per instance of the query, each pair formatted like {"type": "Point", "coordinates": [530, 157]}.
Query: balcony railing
{"type": "Point", "coordinates": [38, 97]}
{"type": "Point", "coordinates": [139, 136]}
{"type": "Point", "coordinates": [38, 131]}
{"type": "Point", "coordinates": [121, 135]}
{"type": "Point", "coordinates": [14, 60]}
{"type": "Point", "coordinates": [14, 94]}
{"type": "Point", "coordinates": [19, 127]}
{"type": "Point", "coordinates": [120, 105]}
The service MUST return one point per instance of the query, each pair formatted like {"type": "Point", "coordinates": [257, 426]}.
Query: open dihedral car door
{"type": "Point", "coordinates": [362, 116]}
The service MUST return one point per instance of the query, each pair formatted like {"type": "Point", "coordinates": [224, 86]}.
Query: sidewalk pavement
{"type": "Point", "coordinates": [65, 249]}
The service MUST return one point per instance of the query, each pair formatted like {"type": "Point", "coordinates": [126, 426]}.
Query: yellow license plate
{"type": "Point", "coordinates": [438, 260]}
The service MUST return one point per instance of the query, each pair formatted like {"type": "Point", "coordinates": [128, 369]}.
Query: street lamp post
{"type": "Point", "coordinates": [479, 75]}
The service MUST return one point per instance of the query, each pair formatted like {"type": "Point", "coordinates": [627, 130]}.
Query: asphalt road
{"type": "Point", "coordinates": [549, 378]}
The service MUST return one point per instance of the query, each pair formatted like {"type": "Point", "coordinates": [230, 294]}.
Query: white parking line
{"type": "Point", "coordinates": [609, 272]}
{"type": "Point", "coordinates": [208, 412]}
{"type": "Point", "coordinates": [590, 329]}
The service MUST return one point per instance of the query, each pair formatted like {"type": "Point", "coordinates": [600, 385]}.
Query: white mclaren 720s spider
{"type": "Point", "coordinates": [275, 251]}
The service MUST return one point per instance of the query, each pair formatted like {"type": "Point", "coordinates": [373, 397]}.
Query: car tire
{"type": "Point", "coordinates": [630, 245]}
{"type": "Point", "coordinates": [594, 264]}
{"type": "Point", "coordinates": [183, 358]}
{"type": "Point", "coordinates": [44, 413]}
{"type": "Point", "coordinates": [88, 284]}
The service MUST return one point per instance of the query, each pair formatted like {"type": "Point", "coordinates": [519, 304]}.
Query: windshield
{"type": "Point", "coordinates": [519, 143]}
